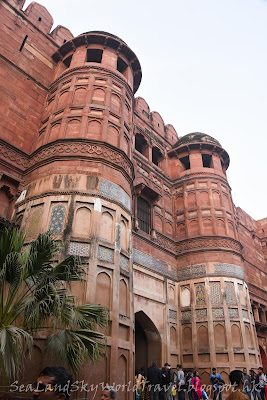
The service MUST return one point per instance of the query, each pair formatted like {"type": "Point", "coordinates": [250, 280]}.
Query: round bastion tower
{"type": "Point", "coordinates": [79, 185]}
{"type": "Point", "coordinates": [216, 321]}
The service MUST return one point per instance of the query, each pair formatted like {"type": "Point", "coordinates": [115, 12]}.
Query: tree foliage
{"type": "Point", "coordinates": [35, 295]}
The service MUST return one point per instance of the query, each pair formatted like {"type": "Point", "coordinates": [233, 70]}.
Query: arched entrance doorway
{"type": "Point", "coordinates": [263, 359]}
{"type": "Point", "coordinates": [147, 342]}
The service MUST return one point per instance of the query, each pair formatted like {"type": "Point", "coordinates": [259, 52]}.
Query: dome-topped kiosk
{"type": "Point", "coordinates": [196, 137]}
{"type": "Point", "coordinates": [196, 151]}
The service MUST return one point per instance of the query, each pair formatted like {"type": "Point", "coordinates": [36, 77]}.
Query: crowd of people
{"type": "Point", "coordinates": [166, 384]}
{"type": "Point", "coordinates": [56, 383]}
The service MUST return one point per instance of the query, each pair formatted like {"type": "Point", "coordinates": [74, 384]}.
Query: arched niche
{"type": "Point", "coordinates": [187, 338]}
{"type": "Point", "coordinates": [179, 203]}
{"type": "Point", "coordinates": [220, 226]}
{"type": "Point", "coordinates": [158, 223]}
{"type": "Point", "coordinates": [122, 376]}
{"type": "Point", "coordinates": [98, 96]}
{"type": "Point", "coordinates": [181, 231]}
{"type": "Point", "coordinates": [147, 342]}
{"type": "Point", "coordinates": [82, 222]}
{"type": "Point", "coordinates": [106, 226]}
{"type": "Point", "coordinates": [171, 294]}
{"type": "Point", "coordinates": [191, 199]}
{"type": "Point", "coordinates": [124, 235]}
{"type": "Point", "coordinates": [193, 227]}
{"type": "Point", "coordinates": [202, 337]}
{"type": "Point", "coordinates": [113, 135]}
{"type": "Point", "coordinates": [236, 336]}
{"type": "Point", "coordinates": [207, 226]}
{"type": "Point", "coordinates": [54, 133]}
{"type": "Point", "coordinates": [115, 103]}
{"type": "Point", "coordinates": [123, 298]}
{"type": "Point", "coordinates": [173, 337]}
{"type": "Point", "coordinates": [248, 336]}
{"type": "Point", "coordinates": [216, 199]}
{"type": "Point", "coordinates": [63, 97]}
{"type": "Point", "coordinates": [103, 290]}
{"type": "Point", "coordinates": [94, 130]}
{"type": "Point", "coordinates": [219, 335]}
{"type": "Point", "coordinates": [204, 198]}
{"type": "Point", "coordinates": [34, 222]}
{"type": "Point", "coordinates": [168, 229]}
{"type": "Point", "coordinates": [73, 128]}
{"type": "Point", "coordinates": [79, 96]}
{"type": "Point", "coordinates": [185, 297]}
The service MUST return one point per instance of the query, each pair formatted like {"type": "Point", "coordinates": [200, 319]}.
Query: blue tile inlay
{"type": "Point", "coordinates": [115, 192]}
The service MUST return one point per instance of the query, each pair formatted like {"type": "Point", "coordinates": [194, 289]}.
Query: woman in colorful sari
{"type": "Point", "coordinates": [196, 386]}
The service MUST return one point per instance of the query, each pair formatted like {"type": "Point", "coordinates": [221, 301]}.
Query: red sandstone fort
{"type": "Point", "coordinates": [182, 270]}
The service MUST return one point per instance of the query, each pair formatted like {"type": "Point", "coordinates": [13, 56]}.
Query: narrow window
{"type": "Point", "coordinates": [121, 65]}
{"type": "Point", "coordinates": [140, 143]}
{"type": "Point", "coordinates": [39, 19]}
{"type": "Point", "coordinates": [143, 214]}
{"type": "Point", "coordinates": [23, 43]}
{"type": "Point", "coordinates": [94, 55]}
{"type": "Point", "coordinates": [207, 160]}
{"type": "Point", "coordinates": [156, 156]}
{"type": "Point", "coordinates": [186, 162]}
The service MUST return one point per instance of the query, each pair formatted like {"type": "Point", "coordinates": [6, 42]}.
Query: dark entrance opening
{"type": "Point", "coordinates": [147, 342]}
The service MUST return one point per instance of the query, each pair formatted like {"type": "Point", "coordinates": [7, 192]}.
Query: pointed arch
{"type": "Point", "coordinates": [115, 103]}
{"type": "Point", "coordinates": [98, 96]}
{"type": "Point", "coordinates": [63, 97]}
{"type": "Point", "coordinates": [54, 133]}
{"type": "Point", "coordinates": [123, 298]}
{"type": "Point", "coordinates": [185, 297]}
{"type": "Point", "coordinates": [106, 226]}
{"type": "Point", "coordinates": [173, 337]}
{"type": "Point", "coordinates": [236, 336]}
{"type": "Point", "coordinates": [94, 129]}
{"type": "Point", "coordinates": [103, 289]}
{"type": "Point", "coordinates": [79, 96]}
{"type": "Point", "coordinates": [187, 338]}
{"type": "Point", "coordinates": [147, 341]}
{"type": "Point", "coordinates": [113, 135]}
{"type": "Point", "coordinates": [73, 128]}
{"type": "Point", "coordinates": [202, 336]}
{"type": "Point", "coordinates": [82, 222]}
{"type": "Point", "coordinates": [219, 335]}
{"type": "Point", "coordinates": [124, 235]}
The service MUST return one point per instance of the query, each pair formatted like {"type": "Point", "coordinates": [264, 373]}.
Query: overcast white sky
{"type": "Point", "coordinates": [204, 65]}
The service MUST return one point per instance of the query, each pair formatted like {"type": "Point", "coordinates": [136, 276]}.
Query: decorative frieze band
{"type": "Point", "coordinates": [82, 148]}
{"type": "Point", "coordinates": [206, 242]}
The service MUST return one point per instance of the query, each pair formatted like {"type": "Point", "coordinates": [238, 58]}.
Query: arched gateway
{"type": "Point", "coordinates": [147, 342]}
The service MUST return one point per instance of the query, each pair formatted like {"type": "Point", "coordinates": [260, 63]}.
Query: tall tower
{"type": "Point", "coordinates": [217, 326]}
{"type": "Point", "coordinates": [79, 184]}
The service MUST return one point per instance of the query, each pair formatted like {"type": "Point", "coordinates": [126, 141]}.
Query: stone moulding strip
{"type": "Point", "coordinates": [221, 269]}
{"type": "Point", "coordinates": [202, 243]}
